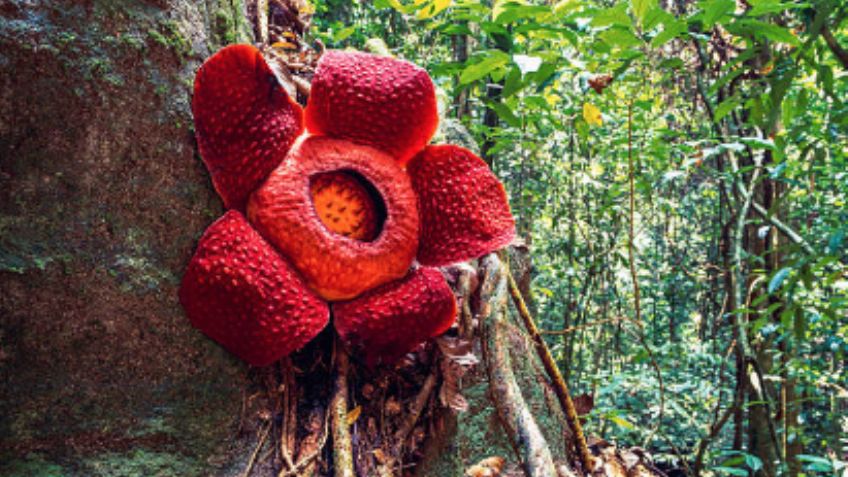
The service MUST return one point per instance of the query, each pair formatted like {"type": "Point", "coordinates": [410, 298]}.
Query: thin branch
{"type": "Point", "coordinates": [840, 53]}
{"type": "Point", "coordinates": [415, 412]}
{"type": "Point", "coordinates": [302, 463]}
{"type": "Point", "coordinates": [342, 447]}
{"type": "Point", "coordinates": [252, 459]}
{"type": "Point", "coordinates": [795, 237]}
{"type": "Point", "coordinates": [631, 236]}
{"type": "Point", "coordinates": [634, 277]}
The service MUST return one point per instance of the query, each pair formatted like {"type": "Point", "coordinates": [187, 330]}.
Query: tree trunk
{"type": "Point", "coordinates": [102, 198]}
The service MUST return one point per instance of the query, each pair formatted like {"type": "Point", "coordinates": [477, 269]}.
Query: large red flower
{"type": "Point", "coordinates": [334, 218]}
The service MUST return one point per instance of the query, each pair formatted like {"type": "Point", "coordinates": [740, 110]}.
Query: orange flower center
{"type": "Point", "coordinates": [347, 204]}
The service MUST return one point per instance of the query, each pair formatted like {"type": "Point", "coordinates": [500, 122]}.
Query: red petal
{"type": "Point", "coordinates": [376, 100]}
{"type": "Point", "coordinates": [244, 121]}
{"type": "Point", "coordinates": [336, 266]}
{"type": "Point", "coordinates": [389, 321]}
{"type": "Point", "coordinates": [463, 207]}
{"type": "Point", "coordinates": [243, 295]}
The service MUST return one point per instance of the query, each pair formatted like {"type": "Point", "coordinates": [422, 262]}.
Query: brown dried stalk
{"type": "Point", "coordinates": [342, 447]}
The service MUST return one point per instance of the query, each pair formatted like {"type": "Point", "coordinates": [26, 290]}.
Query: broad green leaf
{"type": "Point", "coordinates": [655, 17]}
{"type": "Point", "coordinates": [725, 108]}
{"type": "Point", "coordinates": [505, 113]}
{"type": "Point", "coordinates": [493, 60]}
{"type": "Point", "coordinates": [564, 7]}
{"type": "Point", "coordinates": [753, 462]}
{"type": "Point", "coordinates": [616, 15]}
{"type": "Point", "coordinates": [758, 143]}
{"type": "Point", "coordinates": [778, 279]}
{"type": "Point", "coordinates": [816, 463]}
{"type": "Point", "coordinates": [763, 30]}
{"type": "Point", "coordinates": [512, 82]}
{"type": "Point", "coordinates": [620, 421]}
{"type": "Point", "coordinates": [641, 8]}
{"type": "Point", "coordinates": [671, 30]}
{"type": "Point", "coordinates": [763, 7]}
{"type": "Point", "coordinates": [715, 10]}
{"type": "Point", "coordinates": [730, 471]}
{"type": "Point", "coordinates": [620, 37]}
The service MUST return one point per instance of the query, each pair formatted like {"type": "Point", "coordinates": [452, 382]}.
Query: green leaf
{"type": "Point", "coordinates": [343, 34]}
{"type": "Point", "coordinates": [621, 422]}
{"type": "Point", "coordinates": [731, 471]}
{"type": "Point", "coordinates": [512, 82]}
{"type": "Point", "coordinates": [620, 37]}
{"type": "Point", "coordinates": [616, 15]}
{"type": "Point", "coordinates": [715, 10]}
{"type": "Point", "coordinates": [671, 30]}
{"type": "Point", "coordinates": [641, 8]}
{"type": "Point", "coordinates": [758, 143]}
{"type": "Point", "coordinates": [778, 278]}
{"type": "Point", "coordinates": [505, 113]}
{"type": "Point", "coordinates": [509, 12]}
{"type": "Point", "coordinates": [753, 462]}
{"type": "Point", "coordinates": [760, 29]}
{"type": "Point", "coordinates": [763, 7]}
{"type": "Point", "coordinates": [725, 108]}
{"type": "Point", "coordinates": [817, 464]}
{"type": "Point", "coordinates": [492, 60]}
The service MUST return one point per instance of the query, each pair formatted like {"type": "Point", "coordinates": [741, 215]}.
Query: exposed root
{"type": "Point", "coordinates": [513, 411]}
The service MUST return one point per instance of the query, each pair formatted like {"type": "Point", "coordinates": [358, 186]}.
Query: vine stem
{"type": "Point", "coordinates": [631, 252]}
{"type": "Point", "coordinates": [553, 372]}
{"type": "Point", "coordinates": [631, 235]}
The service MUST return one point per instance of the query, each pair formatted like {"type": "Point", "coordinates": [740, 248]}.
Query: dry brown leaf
{"type": "Point", "coordinates": [393, 407]}
{"type": "Point", "coordinates": [283, 45]}
{"type": "Point", "coordinates": [600, 83]}
{"type": "Point", "coordinates": [488, 467]}
{"type": "Point", "coordinates": [353, 415]}
{"type": "Point", "coordinates": [457, 359]}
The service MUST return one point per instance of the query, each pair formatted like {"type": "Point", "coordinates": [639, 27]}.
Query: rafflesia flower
{"type": "Point", "coordinates": [348, 217]}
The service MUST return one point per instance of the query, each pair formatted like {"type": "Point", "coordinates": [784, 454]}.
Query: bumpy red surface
{"type": "Point", "coordinates": [336, 266]}
{"type": "Point", "coordinates": [389, 321]}
{"type": "Point", "coordinates": [375, 100]}
{"type": "Point", "coordinates": [241, 293]}
{"type": "Point", "coordinates": [244, 121]}
{"type": "Point", "coordinates": [464, 208]}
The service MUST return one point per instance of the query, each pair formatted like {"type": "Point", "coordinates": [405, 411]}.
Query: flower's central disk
{"type": "Point", "coordinates": [347, 204]}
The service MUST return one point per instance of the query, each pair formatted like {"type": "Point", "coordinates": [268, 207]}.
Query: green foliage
{"type": "Point", "coordinates": [702, 86]}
